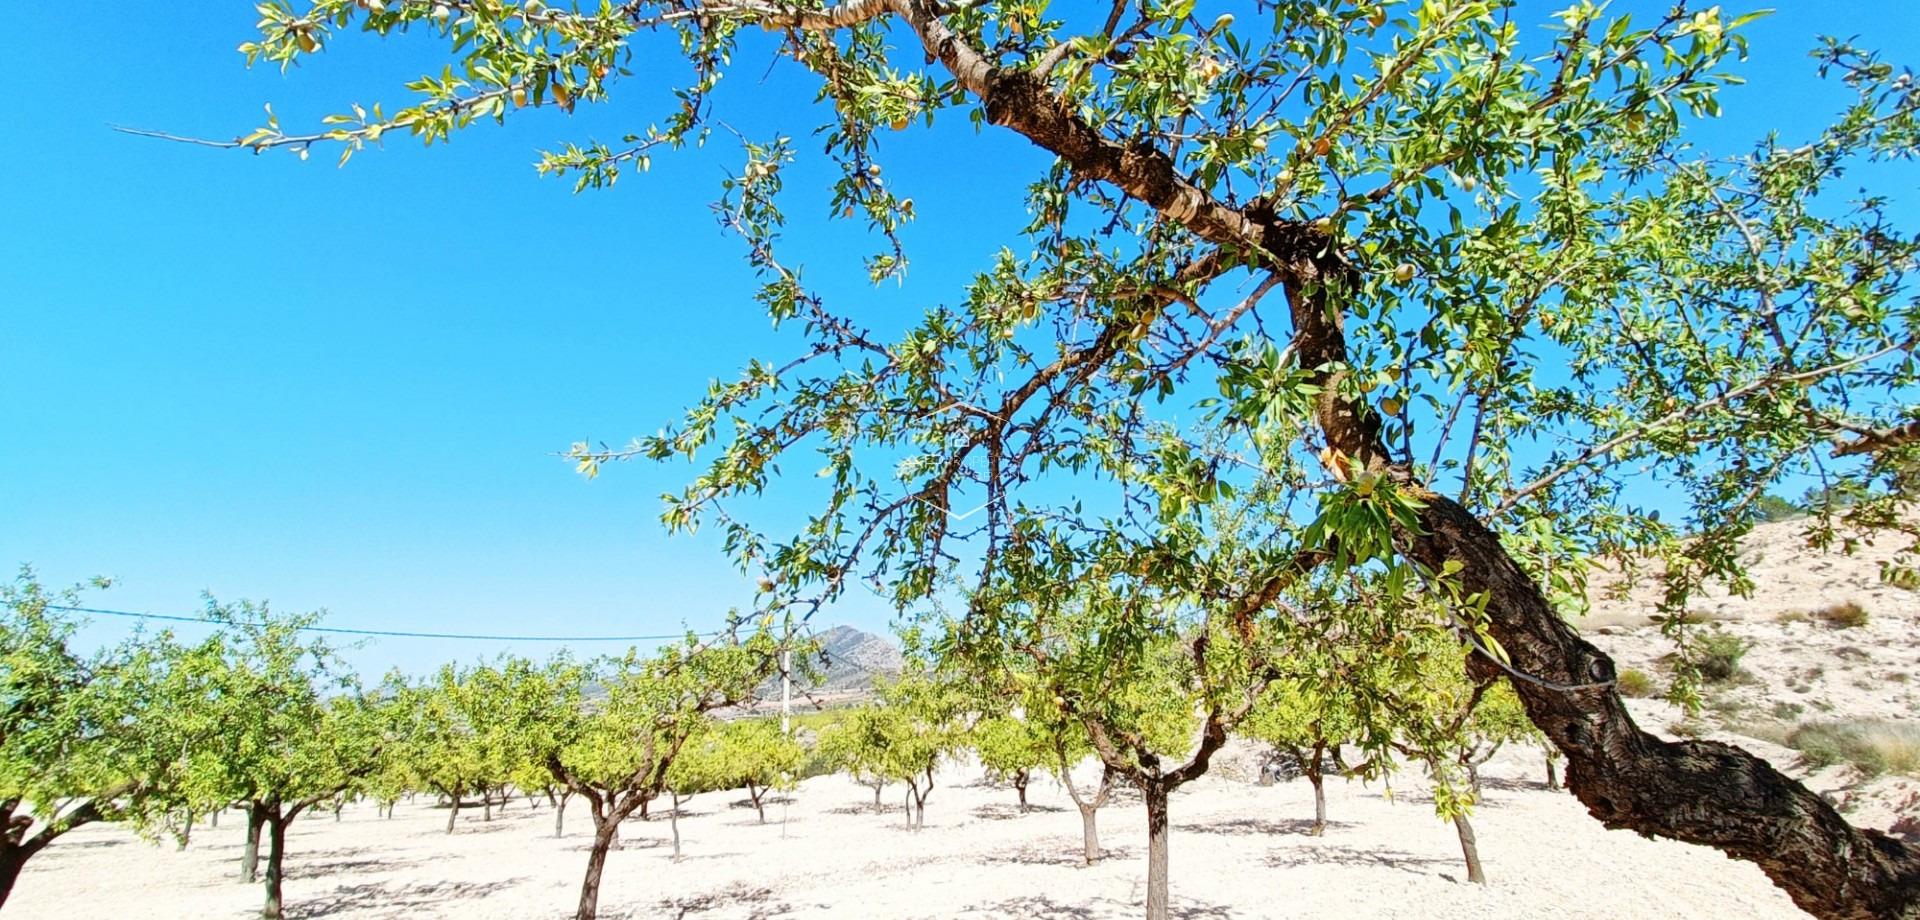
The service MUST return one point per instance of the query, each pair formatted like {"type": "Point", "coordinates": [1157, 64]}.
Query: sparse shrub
{"type": "Point", "coordinates": [1719, 656]}
{"type": "Point", "coordinates": [1787, 711]}
{"type": "Point", "coordinates": [1634, 683]}
{"type": "Point", "coordinates": [1844, 615]}
{"type": "Point", "coordinates": [1788, 617]}
{"type": "Point", "coordinates": [1873, 747]}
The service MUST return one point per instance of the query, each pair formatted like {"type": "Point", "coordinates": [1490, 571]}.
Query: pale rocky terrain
{"type": "Point", "coordinates": [1238, 850]}
{"type": "Point", "coordinates": [1798, 668]}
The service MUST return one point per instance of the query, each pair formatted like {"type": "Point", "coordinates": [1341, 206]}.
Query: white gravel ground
{"type": "Point", "coordinates": [1237, 851]}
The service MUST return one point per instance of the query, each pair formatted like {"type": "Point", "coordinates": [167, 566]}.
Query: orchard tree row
{"type": "Point", "coordinates": [260, 720]}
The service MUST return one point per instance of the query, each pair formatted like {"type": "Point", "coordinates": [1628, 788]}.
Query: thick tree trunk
{"type": "Point", "coordinates": [603, 837]}
{"type": "Point", "coordinates": [1158, 907]}
{"type": "Point", "coordinates": [453, 811]}
{"type": "Point", "coordinates": [559, 817]}
{"type": "Point", "coordinates": [1694, 791]}
{"type": "Point", "coordinates": [877, 807]}
{"type": "Point", "coordinates": [1020, 786]}
{"type": "Point", "coordinates": [186, 832]}
{"type": "Point", "coordinates": [13, 858]}
{"type": "Point", "coordinates": [250, 851]}
{"type": "Point", "coordinates": [276, 854]}
{"type": "Point", "coordinates": [1701, 792]}
{"type": "Point", "coordinates": [1469, 849]}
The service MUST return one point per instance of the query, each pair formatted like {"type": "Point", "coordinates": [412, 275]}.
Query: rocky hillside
{"type": "Point", "coordinates": [1818, 671]}
{"type": "Point", "coordinates": [849, 661]}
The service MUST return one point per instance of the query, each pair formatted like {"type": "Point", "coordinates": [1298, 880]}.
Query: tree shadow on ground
{"type": "Point", "coordinates": [867, 809]}
{"type": "Point", "coordinates": [733, 897]}
{"type": "Point", "coordinates": [1005, 811]}
{"type": "Point", "coordinates": [70, 846]}
{"type": "Point", "coordinates": [627, 842]}
{"type": "Point", "coordinates": [1042, 907]}
{"type": "Point", "coordinates": [393, 900]}
{"type": "Point", "coordinates": [1261, 827]}
{"type": "Point", "coordinates": [1034, 854]}
{"type": "Point", "coordinates": [1339, 854]}
{"type": "Point", "coordinates": [311, 868]}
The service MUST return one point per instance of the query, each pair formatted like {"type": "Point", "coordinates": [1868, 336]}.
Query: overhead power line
{"type": "Point", "coordinates": [397, 634]}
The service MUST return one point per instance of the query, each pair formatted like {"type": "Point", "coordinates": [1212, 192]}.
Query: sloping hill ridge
{"type": "Point", "coordinates": [850, 659]}
{"type": "Point", "coordinates": [849, 662]}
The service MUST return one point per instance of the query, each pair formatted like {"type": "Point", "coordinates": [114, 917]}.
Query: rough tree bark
{"type": "Point", "coordinates": [276, 852]}
{"type": "Point", "coordinates": [1156, 794]}
{"type": "Point", "coordinates": [1469, 849]}
{"type": "Point", "coordinates": [1089, 806]}
{"type": "Point", "coordinates": [250, 850]}
{"type": "Point", "coordinates": [1694, 791]}
{"type": "Point", "coordinates": [453, 807]}
{"type": "Point", "coordinates": [603, 833]}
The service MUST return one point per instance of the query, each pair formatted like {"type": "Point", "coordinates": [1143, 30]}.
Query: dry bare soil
{"type": "Point", "coordinates": [1239, 850]}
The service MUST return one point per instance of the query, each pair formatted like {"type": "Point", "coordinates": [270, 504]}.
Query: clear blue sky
{"type": "Point", "coordinates": [345, 388]}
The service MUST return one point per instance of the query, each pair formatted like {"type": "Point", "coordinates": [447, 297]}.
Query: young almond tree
{"type": "Point", "coordinates": [1155, 686]}
{"type": "Point", "coordinates": [442, 746]}
{"type": "Point", "coordinates": [1464, 254]}
{"type": "Point", "coordinates": [1306, 720]}
{"type": "Point", "coordinates": [916, 722]}
{"type": "Point", "coordinates": [619, 751]}
{"type": "Point", "coordinates": [273, 722]}
{"type": "Point", "coordinates": [1012, 748]}
{"type": "Point", "coordinates": [67, 748]}
{"type": "Point", "coordinates": [855, 741]}
{"type": "Point", "coordinates": [1461, 725]}
{"type": "Point", "coordinates": [753, 754]}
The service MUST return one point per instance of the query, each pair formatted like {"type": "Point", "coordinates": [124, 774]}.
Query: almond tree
{"type": "Point", "coordinates": [1306, 720]}
{"type": "Point", "coordinates": [750, 754]}
{"type": "Point", "coordinates": [1460, 253]}
{"type": "Point", "coordinates": [618, 751]}
{"type": "Point", "coordinates": [67, 753]}
{"type": "Point", "coordinates": [1011, 748]}
{"type": "Point", "coordinates": [1461, 725]}
{"type": "Point", "coordinates": [271, 721]}
{"type": "Point", "coordinates": [916, 722]}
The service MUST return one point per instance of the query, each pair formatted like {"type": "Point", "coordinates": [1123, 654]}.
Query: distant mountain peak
{"type": "Point", "coordinates": [851, 658]}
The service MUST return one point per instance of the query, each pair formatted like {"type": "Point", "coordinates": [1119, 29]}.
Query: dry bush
{"type": "Point", "coordinates": [1719, 656]}
{"type": "Point", "coordinates": [1844, 615]}
{"type": "Point", "coordinates": [1634, 683]}
{"type": "Point", "coordinates": [1873, 746]}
